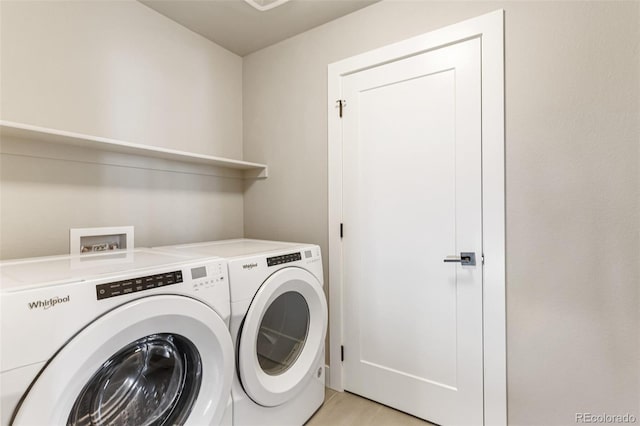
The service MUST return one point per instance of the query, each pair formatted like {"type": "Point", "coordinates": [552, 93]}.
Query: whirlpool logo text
{"type": "Point", "coordinates": [50, 303]}
{"type": "Point", "coordinates": [249, 265]}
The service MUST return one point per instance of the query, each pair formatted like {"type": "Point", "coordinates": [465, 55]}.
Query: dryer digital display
{"type": "Point", "coordinates": [133, 285]}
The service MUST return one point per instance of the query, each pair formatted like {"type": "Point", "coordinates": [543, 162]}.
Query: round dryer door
{"type": "Point", "coordinates": [282, 336]}
{"type": "Point", "coordinates": [160, 360]}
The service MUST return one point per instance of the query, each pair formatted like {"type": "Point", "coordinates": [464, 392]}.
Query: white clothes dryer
{"type": "Point", "coordinates": [136, 337]}
{"type": "Point", "coordinates": [278, 328]}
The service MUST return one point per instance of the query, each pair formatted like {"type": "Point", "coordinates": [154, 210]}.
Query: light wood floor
{"type": "Point", "coordinates": [347, 409]}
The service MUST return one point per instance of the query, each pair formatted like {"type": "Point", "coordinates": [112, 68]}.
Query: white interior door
{"type": "Point", "coordinates": [412, 195]}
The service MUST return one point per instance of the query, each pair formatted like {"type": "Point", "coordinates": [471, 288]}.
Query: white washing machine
{"type": "Point", "coordinates": [136, 338]}
{"type": "Point", "coordinates": [278, 328]}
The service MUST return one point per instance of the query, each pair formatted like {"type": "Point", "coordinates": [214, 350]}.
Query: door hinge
{"type": "Point", "coordinates": [482, 258]}
{"type": "Point", "coordinates": [342, 104]}
{"type": "Point", "coordinates": [341, 353]}
{"type": "Point", "coordinates": [341, 231]}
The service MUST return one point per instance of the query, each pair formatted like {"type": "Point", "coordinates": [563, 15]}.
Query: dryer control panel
{"type": "Point", "coordinates": [285, 258]}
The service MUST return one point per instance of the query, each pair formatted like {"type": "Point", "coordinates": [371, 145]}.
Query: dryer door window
{"type": "Point", "coordinates": [283, 333]}
{"type": "Point", "coordinates": [152, 381]}
{"type": "Point", "coordinates": [282, 337]}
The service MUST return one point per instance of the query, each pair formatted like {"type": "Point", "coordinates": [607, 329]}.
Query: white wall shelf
{"type": "Point", "coordinates": [12, 131]}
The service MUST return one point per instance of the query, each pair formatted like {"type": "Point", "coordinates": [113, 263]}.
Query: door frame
{"type": "Point", "coordinates": [490, 29]}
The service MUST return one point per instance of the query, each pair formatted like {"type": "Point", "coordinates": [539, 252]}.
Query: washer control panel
{"type": "Point", "coordinates": [207, 276]}
{"type": "Point", "coordinates": [285, 258]}
{"type": "Point", "coordinates": [133, 285]}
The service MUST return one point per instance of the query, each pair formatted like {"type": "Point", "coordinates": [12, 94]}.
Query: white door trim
{"type": "Point", "coordinates": [490, 29]}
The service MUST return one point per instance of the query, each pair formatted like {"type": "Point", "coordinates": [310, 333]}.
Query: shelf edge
{"type": "Point", "coordinates": [21, 130]}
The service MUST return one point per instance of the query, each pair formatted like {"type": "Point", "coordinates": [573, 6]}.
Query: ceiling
{"type": "Point", "coordinates": [242, 29]}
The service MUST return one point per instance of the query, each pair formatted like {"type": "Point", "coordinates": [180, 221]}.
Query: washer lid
{"type": "Point", "coordinates": [22, 273]}
{"type": "Point", "coordinates": [282, 336]}
{"type": "Point", "coordinates": [157, 360]}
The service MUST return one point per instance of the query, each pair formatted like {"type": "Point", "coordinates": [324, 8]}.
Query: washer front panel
{"type": "Point", "coordinates": [202, 334]}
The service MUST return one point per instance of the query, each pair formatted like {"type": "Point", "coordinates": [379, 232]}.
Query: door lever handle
{"type": "Point", "coordinates": [465, 258]}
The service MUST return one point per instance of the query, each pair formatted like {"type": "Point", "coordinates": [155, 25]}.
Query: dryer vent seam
{"type": "Point", "coordinates": [46, 304]}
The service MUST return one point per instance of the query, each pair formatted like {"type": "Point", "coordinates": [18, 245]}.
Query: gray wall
{"type": "Point", "coordinates": [120, 70]}
{"type": "Point", "coordinates": [572, 127]}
